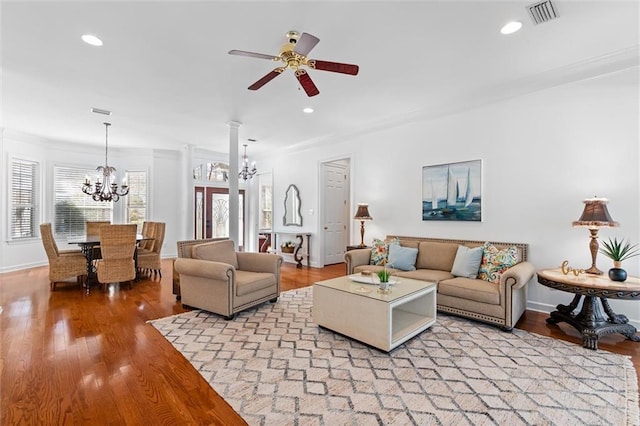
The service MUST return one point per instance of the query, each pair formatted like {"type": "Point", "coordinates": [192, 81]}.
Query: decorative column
{"type": "Point", "coordinates": [187, 224]}
{"type": "Point", "coordinates": [234, 198]}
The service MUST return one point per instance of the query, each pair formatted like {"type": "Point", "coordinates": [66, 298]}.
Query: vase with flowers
{"type": "Point", "coordinates": [618, 251]}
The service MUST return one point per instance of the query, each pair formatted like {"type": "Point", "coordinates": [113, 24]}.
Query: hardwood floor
{"type": "Point", "coordinates": [73, 358]}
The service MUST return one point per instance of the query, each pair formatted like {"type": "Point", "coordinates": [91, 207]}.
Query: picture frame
{"type": "Point", "coordinates": [452, 191]}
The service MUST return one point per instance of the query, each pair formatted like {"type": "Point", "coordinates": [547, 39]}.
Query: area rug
{"type": "Point", "coordinates": [276, 367]}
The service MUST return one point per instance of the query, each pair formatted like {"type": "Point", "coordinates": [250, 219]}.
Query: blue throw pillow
{"type": "Point", "coordinates": [467, 262]}
{"type": "Point", "coordinates": [403, 258]}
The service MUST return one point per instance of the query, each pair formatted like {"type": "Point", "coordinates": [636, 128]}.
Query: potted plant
{"type": "Point", "coordinates": [618, 251]}
{"type": "Point", "coordinates": [384, 275]}
{"type": "Point", "coordinates": [287, 246]}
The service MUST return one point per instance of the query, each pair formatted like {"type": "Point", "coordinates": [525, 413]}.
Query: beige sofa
{"type": "Point", "coordinates": [500, 304]}
{"type": "Point", "coordinates": [221, 280]}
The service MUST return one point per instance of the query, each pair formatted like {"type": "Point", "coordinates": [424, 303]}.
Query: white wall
{"type": "Point", "coordinates": [542, 154]}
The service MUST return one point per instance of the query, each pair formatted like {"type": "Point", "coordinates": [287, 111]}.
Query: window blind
{"type": "Point", "coordinates": [23, 199]}
{"type": "Point", "coordinates": [72, 207]}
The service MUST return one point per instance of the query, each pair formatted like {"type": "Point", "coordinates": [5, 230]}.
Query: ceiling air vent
{"type": "Point", "coordinates": [543, 11]}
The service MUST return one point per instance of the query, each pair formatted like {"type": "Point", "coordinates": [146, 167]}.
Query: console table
{"type": "Point", "coordinates": [591, 321]}
{"type": "Point", "coordinates": [299, 252]}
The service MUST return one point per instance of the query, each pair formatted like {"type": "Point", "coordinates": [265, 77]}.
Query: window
{"type": "Point", "coordinates": [23, 199]}
{"type": "Point", "coordinates": [137, 198]}
{"type": "Point", "coordinates": [72, 207]}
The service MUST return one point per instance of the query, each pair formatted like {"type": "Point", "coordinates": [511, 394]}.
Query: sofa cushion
{"type": "Point", "coordinates": [495, 262]}
{"type": "Point", "coordinates": [467, 262]}
{"type": "Point", "coordinates": [467, 288]}
{"type": "Point", "coordinates": [218, 251]}
{"type": "Point", "coordinates": [403, 258]}
{"type": "Point", "coordinates": [430, 275]}
{"type": "Point", "coordinates": [434, 255]}
{"type": "Point", "coordinates": [249, 282]}
{"type": "Point", "coordinates": [380, 251]}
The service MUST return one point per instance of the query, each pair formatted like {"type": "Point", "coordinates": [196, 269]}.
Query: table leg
{"type": "Point", "coordinates": [591, 321]}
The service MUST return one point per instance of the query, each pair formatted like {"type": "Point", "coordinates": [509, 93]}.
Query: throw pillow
{"type": "Point", "coordinates": [495, 262]}
{"type": "Point", "coordinates": [380, 251]}
{"type": "Point", "coordinates": [467, 262]}
{"type": "Point", "coordinates": [403, 258]}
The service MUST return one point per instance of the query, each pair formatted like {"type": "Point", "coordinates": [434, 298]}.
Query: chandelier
{"type": "Point", "coordinates": [245, 173]}
{"type": "Point", "coordinates": [107, 189]}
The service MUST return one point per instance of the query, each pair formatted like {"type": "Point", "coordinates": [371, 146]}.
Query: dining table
{"type": "Point", "coordinates": [87, 244]}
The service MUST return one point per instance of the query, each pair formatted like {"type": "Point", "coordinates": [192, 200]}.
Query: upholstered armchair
{"type": "Point", "coordinates": [220, 280]}
{"type": "Point", "coordinates": [62, 264]}
{"type": "Point", "coordinates": [184, 250]}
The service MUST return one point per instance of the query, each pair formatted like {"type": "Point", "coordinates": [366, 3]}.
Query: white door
{"type": "Point", "coordinates": [335, 210]}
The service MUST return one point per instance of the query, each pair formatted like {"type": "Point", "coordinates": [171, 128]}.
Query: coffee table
{"type": "Point", "coordinates": [384, 321]}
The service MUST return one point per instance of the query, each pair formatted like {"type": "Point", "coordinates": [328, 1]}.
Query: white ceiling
{"type": "Point", "coordinates": [165, 73]}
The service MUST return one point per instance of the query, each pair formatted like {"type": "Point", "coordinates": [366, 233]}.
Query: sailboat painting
{"type": "Point", "coordinates": [452, 191]}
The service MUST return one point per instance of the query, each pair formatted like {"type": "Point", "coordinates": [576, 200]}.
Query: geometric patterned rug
{"type": "Point", "coordinates": [274, 366]}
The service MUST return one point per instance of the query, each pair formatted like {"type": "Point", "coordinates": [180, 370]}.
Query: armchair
{"type": "Point", "coordinates": [220, 280]}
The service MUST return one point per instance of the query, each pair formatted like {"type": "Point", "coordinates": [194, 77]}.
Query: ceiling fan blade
{"type": "Point", "coordinates": [267, 78]}
{"type": "Point", "coordinates": [253, 55]}
{"type": "Point", "coordinates": [334, 67]}
{"type": "Point", "coordinates": [307, 84]}
{"type": "Point", "coordinates": [305, 43]}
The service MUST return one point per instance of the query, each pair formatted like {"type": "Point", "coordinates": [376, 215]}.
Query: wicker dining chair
{"type": "Point", "coordinates": [148, 231]}
{"type": "Point", "coordinates": [92, 228]}
{"type": "Point", "coordinates": [118, 243]}
{"type": "Point", "coordinates": [62, 264]}
{"type": "Point", "coordinates": [149, 260]}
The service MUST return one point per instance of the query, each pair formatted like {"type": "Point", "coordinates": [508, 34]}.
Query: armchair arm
{"type": "Point", "coordinates": [356, 257]}
{"type": "Point", "coordinates": [204, 268]}
{"type": "Point", "coordinates": [259, 262]}
{"type": "Point", "coordinates": [517, 276]}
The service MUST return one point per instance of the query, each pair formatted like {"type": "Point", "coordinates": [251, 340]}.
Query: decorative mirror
{"type": "Point", "coordinates": [292, 204]}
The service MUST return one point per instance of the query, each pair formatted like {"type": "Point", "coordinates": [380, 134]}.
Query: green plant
{"type": "Point", "coordinates": [619, 250]}
{"type": "Point", "coordinates": [384, 275]}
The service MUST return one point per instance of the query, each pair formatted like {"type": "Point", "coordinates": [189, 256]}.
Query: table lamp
{"type": "Point", "coordinates": [362, 214]}
{"type": "Point", "coordinates": [594, 217]}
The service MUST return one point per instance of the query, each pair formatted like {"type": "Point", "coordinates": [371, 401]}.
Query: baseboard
{"type": "Point", "coordinates": [22, 266]}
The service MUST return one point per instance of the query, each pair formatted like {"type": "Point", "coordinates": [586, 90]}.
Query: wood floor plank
{"type": "Point", "coordinates": [68, 357]}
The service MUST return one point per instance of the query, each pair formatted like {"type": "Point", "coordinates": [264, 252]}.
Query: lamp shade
{"type": "Point", "coordinates": [363, 212]}
{"type": "Point", "coordinates": [595, 214]}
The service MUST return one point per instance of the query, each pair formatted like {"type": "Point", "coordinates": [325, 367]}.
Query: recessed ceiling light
{"type": "Point", "coordinates": [511, 27]}
{"type": "Point", "coordinates": [92, 40]}
{"type": "Point", "coordinates": [307, 110]}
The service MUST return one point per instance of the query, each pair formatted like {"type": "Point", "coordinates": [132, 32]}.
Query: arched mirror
{"type": "Point", "coordinates": [292, 203]}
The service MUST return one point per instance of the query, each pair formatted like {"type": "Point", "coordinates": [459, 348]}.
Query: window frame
{"type": "Point", "coordinates": [146, 198]}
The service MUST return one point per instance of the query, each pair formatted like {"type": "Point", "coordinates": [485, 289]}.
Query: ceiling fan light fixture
{"type": "Point", "coordinates": [511, 27]}
{"type": "Point", "coordinates": [91, 39]}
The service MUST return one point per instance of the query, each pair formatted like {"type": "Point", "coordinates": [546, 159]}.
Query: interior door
{"type": "Point", "coordinates": [336, 211]}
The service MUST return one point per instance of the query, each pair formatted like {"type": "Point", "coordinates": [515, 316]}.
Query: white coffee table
{"type": "Point", "coordinates": [383, 321]}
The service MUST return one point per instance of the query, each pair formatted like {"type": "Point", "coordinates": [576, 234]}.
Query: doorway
{"type": "Point", "coordinates": [335, 178]}
{"type": "Point", "coordinates": [211, 213]}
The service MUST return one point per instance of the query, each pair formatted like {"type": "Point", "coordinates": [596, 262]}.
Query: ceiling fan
{"type": "Point", "coordinates": [294, 55]}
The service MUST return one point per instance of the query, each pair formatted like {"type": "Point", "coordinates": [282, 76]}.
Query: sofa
{"type": "Point", "coordinates": [500, 303]}
{"type": "Point", "coordinates": [221, 280]}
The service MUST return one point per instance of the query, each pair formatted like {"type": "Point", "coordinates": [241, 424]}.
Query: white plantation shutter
{"type": "Point", "coordinates": [72, 207]}
{"type": "Point", "coordinates": [137, 198]}
{"type": "Point", "coordinates": [23, 198]}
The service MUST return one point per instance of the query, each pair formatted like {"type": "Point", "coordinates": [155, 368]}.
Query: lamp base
{"type": "Point", "coordinates": [593, 271]}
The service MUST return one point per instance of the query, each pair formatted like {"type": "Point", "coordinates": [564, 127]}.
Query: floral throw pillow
{"type": "Point", "coordinates": [380, 251]}
{"type": "Point", "coordinates": [495, 262]}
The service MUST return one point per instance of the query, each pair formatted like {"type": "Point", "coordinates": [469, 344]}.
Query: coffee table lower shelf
{"type": "Point", "coordinates": [383, 321]}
